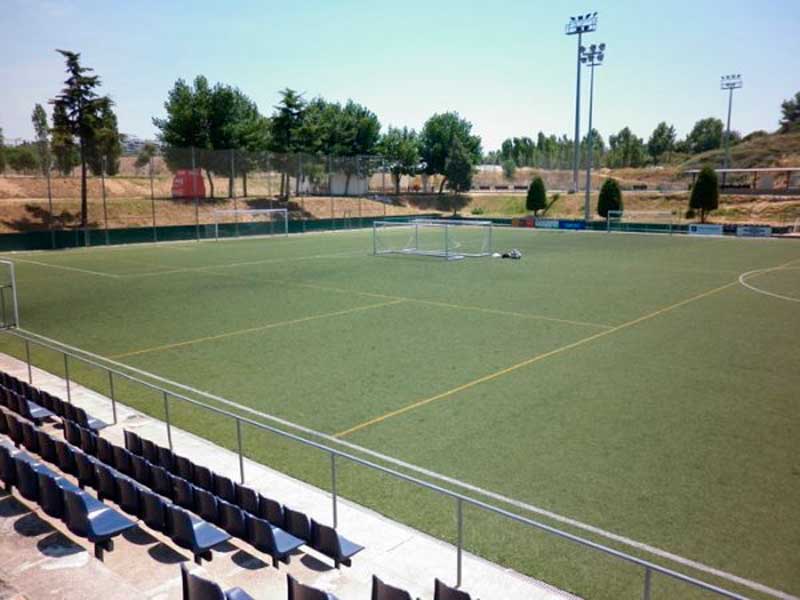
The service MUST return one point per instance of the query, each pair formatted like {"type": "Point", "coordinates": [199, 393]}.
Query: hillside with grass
{"type": "Point", "coordinates": [770, 150]}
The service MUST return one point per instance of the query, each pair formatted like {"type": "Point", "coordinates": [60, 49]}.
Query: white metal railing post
{"type": "Point", "coordinates": [13, 274]}
{"type": "Point", "coordinates": [28, 359]}
{"type": "Point", "coordinates": [66, 378]}
{"type": "Point", "coordinates": [111, 391]}
{"type": "Point", "coordinates": [241, 453]}
{"type": "Point", "coordinates": [334, 495]}
{"type": "Point", "coordinates": [166, 418]}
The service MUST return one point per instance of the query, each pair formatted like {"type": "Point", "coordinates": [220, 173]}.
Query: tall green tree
{"type": "Point", "coordinates": [610, 198]}
{"type": "Point", "coordinates": [537, 196]}
{"type": "Point", "coordinates": [705, 135]}
{"type": "Point", "coordinates": [790, 114]}
{"type": "Point", "coordinates": [460, 167]}
{"type": "Point", "coordinates": [22, 158]}
{"type": "Point", "coordinates": [400, 148]}
{"type": "Point", "coordinates": [286, 133]}
{"type": "Point", "coordinates": [705, 192]}
{"type": "Point", "coordinates": [145, 155]}
{"type": "Point", "coordinates": [438, 140]}
{"type": "Point", "coordinates": [661, 142]}
{"type": "Point", "coordinates": [78, 114]}
{"type": "Point", "coordinates": [105, 148]}
{"type": "Point", "coordinates": [42, 131]}
{"type": "Point", "coordinates": [625, 150]}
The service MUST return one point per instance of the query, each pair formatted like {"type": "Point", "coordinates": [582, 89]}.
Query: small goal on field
{"type": "Point", "coordinates": [444, 238]}
{"type": "Point", "coordinates": [661, 221]}
{"type": "Point", "coordinates": [234, 223]}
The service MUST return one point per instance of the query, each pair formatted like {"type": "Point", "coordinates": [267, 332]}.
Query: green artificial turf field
{"type": "Point", "coordinates": [629, 382]}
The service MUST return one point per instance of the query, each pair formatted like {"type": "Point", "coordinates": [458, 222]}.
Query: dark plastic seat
{"type": "Point", "coordinates": [87, 421]}
{"type": "Point", "coordinates": [203, 478]}
{"type": "Point", "coordinates": [105, 450]}
{"type": "Point", "coordinates": [232, 519]}
{"type": "Point", "coordinates": [153, 510]}
{"type": "Point", "coordinates": [161, 481]}
{"type": "Point", "coordinates": [200, 588]}
{"type": "Point", "coordinates": [27, 478]}
{"type": "Point", "coordinates": [66, 457]}
{"type": "Point", "coordinates": [122, 460]}
{"type": "Point", "coordinates": [194, 534]}
{"type": "Point", "coordinates": [47, 447]}
{"type": "Point", "coordinates": [149, 451]}
{"type": "Point", "coordinates": [183, 493]}
{"type": "Point", "coordinates": [51, 497]}
{"type": "Point", "coordinates": [31, 410]}
{"type": "Point", "coordinates": [3, 422]}
{"type": "Point", "coordinates": [445, 592]}
{"type": "Point", "coordinates": [383, 591]}
{"type": "Point", "coordinates": [223, 488]}
{"type": "Point", "coordinates": [8, 468]}
{"type": "Point", "coordinates": [271, 540]}
{"type": "Point", "coordinates": [327, 541]}
{"type": "Point", "coordinates": [72, 433]}
{"type": "Point", "coordinates": [129, 496]}
{"type": "Point", "coordinates": [272, 511]}
{"type": "Point", "coordinates": [184, 468]}
{"type": "Point", "coordinates": [87, 475]}
{"type": "Point", "coordinates": [247, 499]}
{"type": "Point", "coordinates": [29, 438]}
{"type": "Point", "coordinates": [95, 521]}
{"type": "Point", "coordinates": [206, 505]}
{"type": "Point", "coordinates": [166, 458]}
{"type": "Point", "coordinates": [106, 482]}
{"type": "Point", "coordinates": [133, 443]}
{"type": "Point", "coordinates": [297, 524]}
{"type": "Point", "coordinates": [88, 441]}
{"type": "Point", "coordinates": [70, 412]}
{"type": "Point", "coordinates": [14, 429]}
{"type": "Point", "coordinates": [140, 470]}
{"type": "Point", "coordinates": [298, 591]}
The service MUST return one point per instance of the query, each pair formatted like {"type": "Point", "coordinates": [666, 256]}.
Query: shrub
{"type": "Point", "coordinates": [478, 210]}
{"type": "Point", "coordinates": [610, 198]}
{"type": "Point", "coordinates": [509, 168]}
{"type": "Point", "coordinates": [537, 196]}
{"type": "Point", "coordinates": [705, 192]}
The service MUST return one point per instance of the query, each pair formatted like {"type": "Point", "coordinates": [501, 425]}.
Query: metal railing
{"type": "Point", "coordinates": [459, 500]}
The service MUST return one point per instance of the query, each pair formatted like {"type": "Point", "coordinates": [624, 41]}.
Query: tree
{"type": "Point", "coordinates": [661, 142]}
{"type": "Point", "coordinates": [287, 123]}
{"type": "Point", "coordinates": [105, 148]}
{"type": "Point", "coordinates": [437, 142]}
{"type": "Point", "coordinates": [459, 167]}
{"type": "Point", "coordinates": [2, 152]}
{"type": "Point", "coordinates": [610, 198]}
{"type": "Point", "coordinates": [78, 113]}
{"type": "Point", "coordinates": [146, 154]}
{"type": "Point", "coordinates": [537, 196]}
{"type": "Point", "coordinates": [705, 135]}
{"type": "Point", "coordinates": [626, 150]}
{"type": "Point", "coordinates": [401, 148]}
{"type": "Point", "coordinates": [790, 114]}
{"type": "Point", "coordinates": [357, 131]}
{"type": "Point", "coordinates": [42, 129]}
{"type": "Point", "coordinates": [22, 159]}
{"type": "Point", "coordinates": [509, 168]}
{"type": "Point", "coordinates": [705, 192]}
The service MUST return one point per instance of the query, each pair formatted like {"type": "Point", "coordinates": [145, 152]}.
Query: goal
{"type": "Point", "coordinates": [640, 220]}
{"type": "Point", "coordinates": [248, 222]}
{"type": "Point", "coordinates": [9, 308]}
{"type": "Point", "coordinates": [444, 238]}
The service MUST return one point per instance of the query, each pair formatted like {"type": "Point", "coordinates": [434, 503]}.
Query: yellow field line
{"type": "Point", "coordinates": [254, 329]}
{"type": "Point", "coordinates": [529, 361]}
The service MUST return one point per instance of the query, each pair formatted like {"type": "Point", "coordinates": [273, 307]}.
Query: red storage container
{"type": "Point", "coordinates": [188, 184]}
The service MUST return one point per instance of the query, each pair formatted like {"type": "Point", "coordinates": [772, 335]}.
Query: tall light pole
{"type": "Point", "coordinates": [591, 57]}
{"type": "Point", "coordinates": [730, 83]}
{"type": "Point", "coordinates": [578, 26]}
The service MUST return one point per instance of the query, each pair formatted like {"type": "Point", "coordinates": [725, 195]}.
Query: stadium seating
{"type": "Point", "coordinates": [298, 591]}
{"type": "Point", "coordinates": [199, 588]}
{"type": "Point", "coordinates": [271, 540]}
{"type": "Point", "coordinates": [95, 521]}
{"type": "Point", "coordinates": [194, 534]}
{"type": "Point", "coordinates": [383, 591]}
{"type": "Point", "coordinates": [445, 592]}
{"type": "Point", "coordinates": [326, 541]}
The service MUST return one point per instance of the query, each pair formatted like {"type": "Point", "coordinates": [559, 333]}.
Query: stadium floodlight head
{"type": "Point", "coordinates": [730, 82]}
{"type": "Point", "coordinates": [581, 24]}
{"type": "Point", "coordinates": [593, 55]}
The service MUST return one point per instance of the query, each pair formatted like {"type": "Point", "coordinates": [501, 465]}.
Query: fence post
{"type": "Point", "coordinates": [460, 547]}
{"type": "Point", "coordinates": [196, 202]}
{"type": "Point", "coordinates": [103, 189]}
{"type": "Point", "coordinates": [166, 415]}
{"type": "Point", "coordinates": [333, 491]}
{"type": "Point", "coordinates": [646, 590]}
{"type": "Point", "coordinates": [66, 376]}
{"type": "Point", "coordinates": [28, 358]}
{"type": "Point", "coordinates": [153, 201]}
{"type": "Point", "coordinates": [241, 455]}
{"type": "Point", "coordinates": [111, 391]}
{"type": "Point", "coordinates": [50, 204]}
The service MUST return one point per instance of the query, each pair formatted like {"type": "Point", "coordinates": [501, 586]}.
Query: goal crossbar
{"type": "Point", "coordinates": [640, 220]}
{"type": "Point", "coordinates": [254, 221]}
{"type": "Point", "coordinates": [444, 238]}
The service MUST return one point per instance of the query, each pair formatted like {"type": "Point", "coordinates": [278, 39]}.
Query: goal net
{"type": "Point", "coordinates": [9, 310]}
{"type": "Point", "coordinates": [450, 239]}
{"type": "Point", "coordinates": [640, 220]}
{"type": "Point", "coordinates": [234, 223]}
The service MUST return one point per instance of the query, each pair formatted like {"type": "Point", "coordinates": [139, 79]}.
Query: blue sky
{"type": "Point", "coordinates": [506, 66]}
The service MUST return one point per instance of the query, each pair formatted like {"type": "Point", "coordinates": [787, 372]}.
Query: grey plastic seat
{"type": "Point", "coordinates": [327, 541]}
{"type": "Point", "coordinates": [27, 478]}
{"type": "Point", "coordinates": [29, 438]}
{"type": "Point", "coordinates": [133, 443]}
{"type": "Point", "coordinates": [232, 519]}
{"type": "Point", "coordinates": [14, 429]}
{"type": "Point", "coordinates": [267, 538]}
{"type": "Point", "coordinates": [297, 524]}
{"type": "Point", "coordinates": [47, 447]}
{"type": "Point", "coordinates": [87, 475]}
{"type": "Point", "coordinates": [161, 481]}
{"type": "Point", "coordinates": [95, 521]}
{"type": "Point", "coordinates": [140, 470]}
{"type": "Point", "coordinates": [129, 496]}
{"type": "Point", "coordinates": [166, 458]}
{"type": "Point", "coordinates": [442, 591]}
{"type": "Point", "coordinates": [183, 493]}
{"type": "Point", "coordinates": [87, 421]}
{"type": "Point", "coordinates": [206, 505]}
{"type": "Point", "coordinates": [106, 482]}
{"type": "Point", "coordinates": [246, 498]}
{"type": "Point", "coordinates": [272, 511]}
{"type": "Point", "coordinates": [153, 510]}
{"type": "Point", "coordinates": [149, 451]}
{"type": "Point", "coordinates": [105, 450]}
{"type": "Point", "coordinates": [223, 488]}
{"type": "Point", "coordinates": [8, 468]}
{"type": "Point", "coordinates": [122, 460]}
{"type": "Point", "coordinates": [66, 457]}
{"type": "Point", "coordinates": [88, 441]}
{"type": "Point", "coordinates": [203, 478]}
{"type": "Point", "coordinates": [184, 468]}
{"type": "Point", "coordinates": [51, 496]}
{"type": "Point", "coordinates": [200, 588]}
{"type": "Point", "coordinates": [194, 534]}
{"type": "Point", "coordinates": [72, 432]}
{"type": "Point", "coordinates": [383, 591]}
{"type": "Point", "coordinates": [298, 591]}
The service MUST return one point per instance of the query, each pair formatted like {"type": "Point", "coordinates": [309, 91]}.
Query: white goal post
{"type": "Point", "coordinates": [250, 221]}
{"type": "Point", "coordinates": [640, 220]}
{"type": "Point", "coordinates": [451, 239]}
{"type": "Point", "coordinates": [9, 305]}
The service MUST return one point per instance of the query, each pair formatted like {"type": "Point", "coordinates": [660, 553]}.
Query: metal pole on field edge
{"type": "Point", "coordinates": [333, 491]}
{"type": "Point", "coordinates": [50, 209]}
{"type": "Point", "coordinates": [111, 392]}
{"type": "Point", "coordinates": [166, 418]}
{"type": "Point", "coordinates": [646, 590]}
{"type": "Point", "coordinates": [196, 205]}
{"type": "Point", "coordinates": [591, 57]}
{"type": "Point", "coordinates": [460, 547]}
{"type": "Point", "coordinates": [153, 201]}
{"type": "Point", "coordinates": [28, 358]}
{"type": "Point", "coordinates": [103, 189]}
{"type": "Point", "coordinates": [66, 377]}
{"type": "Point", "coordinates": [241, 454]}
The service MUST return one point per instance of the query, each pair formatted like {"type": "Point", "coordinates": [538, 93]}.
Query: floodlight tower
{"type": "Point", "coordinates": [591, 57]}
{"type": "Point", "coordinates": [730, 83]}
{"type": "Point", "coordinates": [578, 26]}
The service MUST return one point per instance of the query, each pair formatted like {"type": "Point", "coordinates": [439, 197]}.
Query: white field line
{"type": "Point", "coordinates": [744, 276]}
{"type": "Point", "coordinates": [66, 268]}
